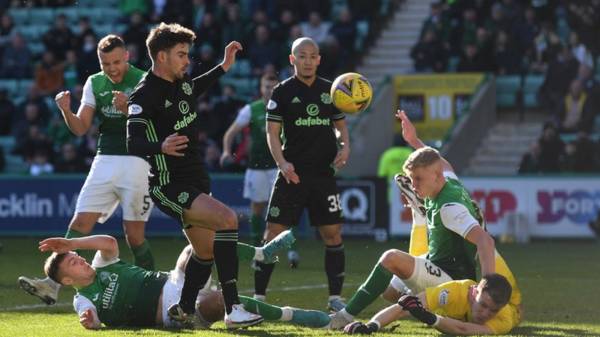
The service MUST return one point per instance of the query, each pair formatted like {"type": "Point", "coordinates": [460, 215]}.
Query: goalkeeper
{"type": "Point", "coordinates": [117, 293]}
{"type": "Point", "coordinates": [457, 307]}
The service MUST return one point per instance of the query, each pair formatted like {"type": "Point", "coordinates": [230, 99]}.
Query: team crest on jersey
{"type": "Point", "coordinates": [443, 297]}
{"type": "Point", "coordinates": [135, 109]}
{"type": "Point", "coordinates": [274, 211]}
{"type": "Point", "coordinates": [312, 109]}
{"type": "Point", "coordinates": [183, 197]}
{"type": "Point", "coordinates": [187, 89]}
{"type": "Point", "coordinates": [104, 277]}
{"type": "Point", "coordinates": [325, 98]}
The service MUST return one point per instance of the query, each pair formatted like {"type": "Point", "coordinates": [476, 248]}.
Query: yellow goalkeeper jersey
{"type": "Point", "coordinates": [451, 299]}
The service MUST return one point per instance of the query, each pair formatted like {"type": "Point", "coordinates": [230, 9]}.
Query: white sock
{"type": "Point", "coordinates": [286, 314]}
{"type": "Point", "coordinates": [261, 298]}
{"type": "Point", "coordinates": [334, 297]}
{"type": "Point", "coordinates": [346, 315]}
{"type": "Point", "coordinates": [258, 254]}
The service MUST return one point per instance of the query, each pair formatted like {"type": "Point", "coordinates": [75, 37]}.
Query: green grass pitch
{"type": "Point", "coordinates": [560, 282]}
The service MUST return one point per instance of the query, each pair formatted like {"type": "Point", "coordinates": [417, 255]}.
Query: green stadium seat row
{"type": "Point", "coordinates": [45, 16]}
{"type": "Point", "coordinates": [247, 87]}
{"type": "Point", "coordinates": [508, 86]}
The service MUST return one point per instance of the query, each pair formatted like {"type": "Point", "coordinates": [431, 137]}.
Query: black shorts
{"type": "Point", "coordinates": [319, 195]}
{"type": "Point", "coordinates": [174, 197]}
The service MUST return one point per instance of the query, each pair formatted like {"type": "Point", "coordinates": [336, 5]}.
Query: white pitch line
{"type": "Point", "coordinates": [65, 304]}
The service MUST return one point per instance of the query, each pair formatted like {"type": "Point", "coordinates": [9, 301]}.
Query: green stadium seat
{"type": "Point", "coordinates": [241, 68]}
{"type": "Point", "coordinates": [15, 165]}
{"type": "Point", "coordinates": [72, 14]}
{"type": "Point", "coordinates": [506, 90]}
{"type": "Point", "coordinates": [41, 16]}
{"type": "Point", "coordinates": [7, 142]}
{"type": "Point", "coordinates": [32, 33]}
{"type": "Point", "coordinates": [243, 86]}
{"type": "Point", "coordinates": [11, 86]}
{"type": "Point", "coordinates": [531, 86]}
{"type": "Point", "coordinates": [20, 16]}
{"type": "Point", "coordinates": [453, 63]}
{"type": "Point", "coordinates": [37, 48]}
{"type": "Point", "coordinates": [24, 86]}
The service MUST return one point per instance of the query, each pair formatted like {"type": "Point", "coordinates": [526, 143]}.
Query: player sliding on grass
{"type": "Point", "coordinates": [455, 233]}
{"type": "Point", "coordinates": [117, 293]}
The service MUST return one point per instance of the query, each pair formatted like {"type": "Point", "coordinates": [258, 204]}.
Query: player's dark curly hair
{"type": "Point", "coordinates": [498, 287]}
{"type": "Point", "coordinates": [165, 36]}
{"type": "Point", "coordinates": [51, 267]}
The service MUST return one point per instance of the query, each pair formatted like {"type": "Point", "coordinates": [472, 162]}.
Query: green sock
{"type": "Point", "coordinates": [267, 311]}
{"type": "Point", "coordinates": [375, 285]}
{"type": "Point", "coordinates": [142, 256]}
{"type": "Point", "coordinates": [71, 234]}
{"type": "Point", "coordinates": [245, 251]}
{"type": "Point", "coordinates": [257, 227]}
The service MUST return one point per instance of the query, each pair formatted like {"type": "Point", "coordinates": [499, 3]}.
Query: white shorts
{"type": "Point", "coordinates": [258, 184]}
{"type": "Point", "coordinates": [172, 292]}
{"type": "Point", "coordinates": [113, 179]}
{"type": "Point", "coordinates": [425, 275]}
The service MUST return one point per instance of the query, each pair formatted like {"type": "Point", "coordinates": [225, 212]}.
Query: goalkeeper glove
{"type": "Point", "coordinates": [413, 305]}
{"type": "Point", "coordinates": [409, 194]}
{"type": "Point", "coordinates": [360, 328]}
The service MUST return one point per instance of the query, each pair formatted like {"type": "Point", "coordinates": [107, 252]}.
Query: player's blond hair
{"type": "Point", "coordinates": [166, 36]}
{"type": "Point", "coordinates": [423, 157]}
{"type": "Point", "coordinates": [52, 266]}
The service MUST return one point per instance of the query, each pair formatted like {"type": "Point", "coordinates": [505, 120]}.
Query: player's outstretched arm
{"type": "Point", "coordinates": [242, 120]}
{"type": "Point", "coordinates": [107, 245]}
{"type": "Point", "coordinates": [89, 319]}
{"type": "Point", "coordinates": [78, 123]}
{"type": "Point", "coordinates": [455, 327]}
{"type": "Point", "coordinates": [409, 133]}
{"type": "Point", "coordinates": [486, 249]}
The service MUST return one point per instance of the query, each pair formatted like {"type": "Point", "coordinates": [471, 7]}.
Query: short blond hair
{"type": "Point", "coordinates": [423, 157]}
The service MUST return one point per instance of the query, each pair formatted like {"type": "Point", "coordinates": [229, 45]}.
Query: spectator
{"type": "Point", "coordinates": [212, 154]}
{"type": "Point", "coordinates": [428, 54]}
{"type": "Point", "coordinates": [287, 20]}
{"type": "Point", "coordinates": [530, 162]}
{"type": "Point", "coordinates": [209, 32]}
{"type": "Point", "coordinates": [258, 18]}
{"type": "Point", "coordinates": [128, 7]}
{"type": "Point", "coordinates": [40, 163]}
{"type": "Point", "coordinates": [225, 108]}
{"type": "Point", "coordinates": [199, 9]}
{"type": "Point", "coordinates": [575, 113]}
{"type": "Point", "coordinates": [315, 28]}
{"type": "Point", "coordinates": [580, 51]}
{"type": "Point", "coordinates": [85, 28]}
{"type": "Point", "coordinates": [344, 31]}
{"type": "Point", "coordinates": [332, 59]}
{"type": "Point", "coordinates": [561, 71]}
{"type": "Point", "coordinates": [136, 33]}
{"type": "Point", "coordinates": [34, 97]}
{"type": "Point", "coordinates": [525, 32]}
{"type": "Point", "coordinates": [59, 38]}
{"type": "Point", "coordinates": [88, 145]}
{"type": "Point", "coordinates": [436, 22]}
{"type": "Point", "coordinates": [263, 51]}
{"type": "Point", "coordinates": [158, 10]}
{"type": "Point", "coordinates": [2, 160]}
{"type": "Point", "coordinates": [138, 58]}
{"type": "Point", "coordinates": [233, 27]}
{"type": "Point", "coordinates": [468, 29]}
{"type": "Point", "coordinates": [506, 57]}
{"type": "Point", "coordinates": [87, 58]}
{"type": "Point", "coordinates": [32, 117]}
{"type": "Point", "coordinates": [205, 61]}
{"type": "Point", "coordinates": [69, 161]}
{"type": "Point", "coordinates": [7, 113]}
{"type": "Point", "coordinates": [551, 150]}
{"type": "Point", "coordinates": [35, 143]}
{"type": "Point", "coordinates": [71, 77]}
{"type": "Point", "coordinates": [16, 59]}
{"type": "Point", "coordinates": [471, 60]}
{"type": "Point", "coordinates": [485, 49]}
{"type": "Point", "coordinates": [49, 74]}
{"type": "Point", "coordinates": [579, 155]}
{"type": "Point", "coordinates": [6, 30]}
{"type": "Point", "coordinates": [546, 46]}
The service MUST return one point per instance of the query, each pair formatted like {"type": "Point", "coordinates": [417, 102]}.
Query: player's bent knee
{"type": "Point", "coordinates": [229, 220]}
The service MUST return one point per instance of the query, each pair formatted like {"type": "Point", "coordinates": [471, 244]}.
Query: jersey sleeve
{"type": "Point", "coordinates": [82, 303]}
{"type": "Point", "coordinates": [243, 117]}
{"type": "Point", "coordinates": [206, 80]}
{"type": "Point", "coordinates": [99, 261]}
{"type": "Point", "coordinates": [274, 106]}
{"type": "Point", "coordinates": [450, 175]}
{"type": "Point", "coordinates": [87, 97]}
{"type": "Point", "coordinates": [456, 217]}
{"type": "Point", "coordinates": [142, 139]}
{"type": "Point", "coordinates": [504, 321]}
{"type": "Point", "coordinates": [449, 299]}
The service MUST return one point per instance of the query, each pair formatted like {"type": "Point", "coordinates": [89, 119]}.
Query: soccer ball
{"type": "Point", "coordinates": [351, 93]}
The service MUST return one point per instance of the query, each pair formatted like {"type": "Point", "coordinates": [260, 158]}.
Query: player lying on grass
{"type": "Point", "coordinates": [457, 307]}
{"type": "Point", "coordinates": [456, 235]}
{"type": "Point", "coordinates": [117, 293]}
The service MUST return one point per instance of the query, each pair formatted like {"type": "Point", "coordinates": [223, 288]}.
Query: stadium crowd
{"type": "Point", "coordinates": [554, 39]}
{"type": "Point", "coordinates": [68, 56]}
